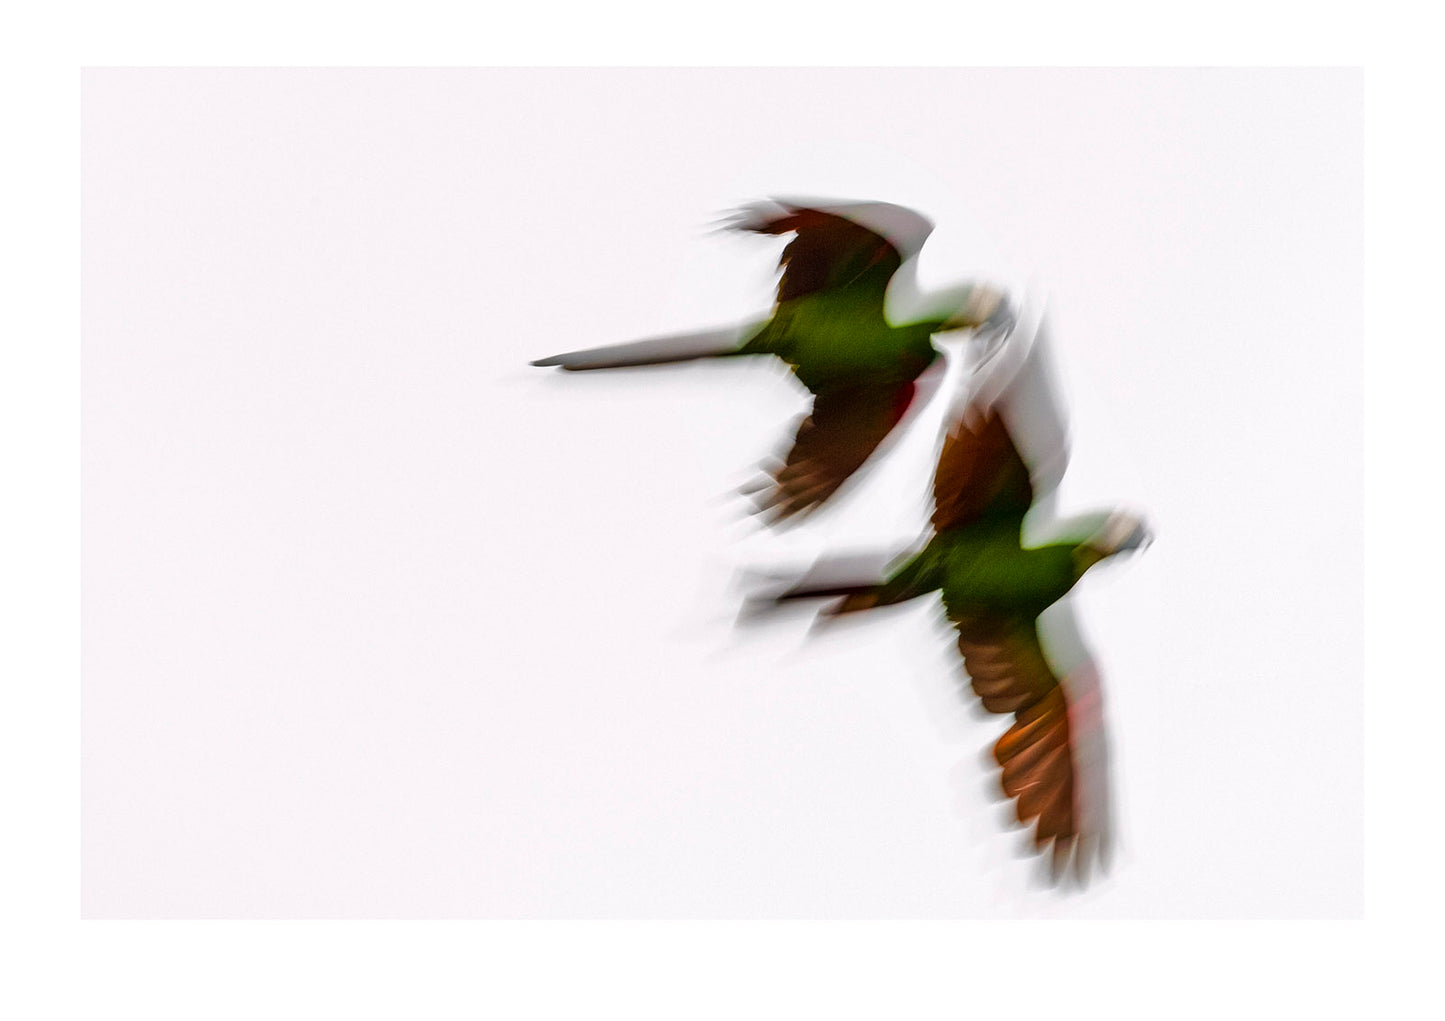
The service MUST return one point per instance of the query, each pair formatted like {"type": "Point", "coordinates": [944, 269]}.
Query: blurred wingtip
{"type": "Point", "coordinates": [827, 620]}
{"type": "Point", "coordinates": [752, 217]}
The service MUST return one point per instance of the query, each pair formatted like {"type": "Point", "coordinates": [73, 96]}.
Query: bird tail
{"type": "Point", "coordinates": [918, 576]}
{"type": "Point", "coordinates": [855, 597]}
{"type": "Point", "coordinates": [682, 347]}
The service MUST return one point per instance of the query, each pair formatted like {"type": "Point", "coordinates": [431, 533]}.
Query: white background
{"type": "Point", "coordinates": [380, 622]}
{"type": "Point", "coordinates": [857, 969]}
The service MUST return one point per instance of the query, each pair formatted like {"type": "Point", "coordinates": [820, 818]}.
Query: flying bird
{"type": "Point", "coordinates": [995, 589]}
{"type": "Point", "coordinates": [853, 329]}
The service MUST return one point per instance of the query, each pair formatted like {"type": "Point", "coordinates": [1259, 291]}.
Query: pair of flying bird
{"type": "Point", "coordinates": [847, 279]}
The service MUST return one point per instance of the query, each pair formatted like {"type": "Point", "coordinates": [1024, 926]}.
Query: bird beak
{"type": "Point", "coordinates": [1140, 539]}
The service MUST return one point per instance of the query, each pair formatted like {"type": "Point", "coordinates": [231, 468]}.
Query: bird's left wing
{"type": "Point", "coordinates": [846, 426]}
{"type": "Point", "coordinates": [1010, 674]}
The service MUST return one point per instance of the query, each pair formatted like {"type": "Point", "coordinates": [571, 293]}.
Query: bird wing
{"type": "Point", "coordinates": [980, 474]}
{"type": "Point", "coordinates": [1008, 671]}
{"type": "Point", "coordinates": [846, 425]}
{"type": "Point", "coordinates": [828, 251]}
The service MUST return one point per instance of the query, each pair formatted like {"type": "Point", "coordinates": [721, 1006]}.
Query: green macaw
{"type": "Point", "coordinates": [853, 335]}
{"type": "Point", "coordinates": [994, 589]}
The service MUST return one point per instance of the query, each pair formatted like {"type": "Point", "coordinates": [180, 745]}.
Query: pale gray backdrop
{"type": "Point", "coordinates": [380, 622]}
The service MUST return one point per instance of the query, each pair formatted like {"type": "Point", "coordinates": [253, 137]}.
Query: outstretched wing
{"type": "Point", "coordinates": [980, 474]}
{"type": "Point", "coordinates": [1008, 671]}
{"type": "Point", "coordinates": [846, 425]}
{"type": "Point", "coordinates": [828, 250]}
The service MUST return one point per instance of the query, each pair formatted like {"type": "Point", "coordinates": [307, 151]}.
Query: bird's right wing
{"type": "Point", "coordinates": [1011, 374]}
{"type": "Point", "coordinates": [979, 474]}
{"type": "Point", "coordinates": [828, 250]}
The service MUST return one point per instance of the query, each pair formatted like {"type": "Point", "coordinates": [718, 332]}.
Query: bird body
{"type": "Point", "coordinates": [856, 333]}
{"type": "Point", "coordinates": [986, 569]}
{"type": "Point", "coordinates": [994, 590]}
{"type": "Point", "coordinates": [841, 339]}
{"type": "Point", "coordinates": [982, 567]}
{"type": "Point", "coordinates": [831, 326]}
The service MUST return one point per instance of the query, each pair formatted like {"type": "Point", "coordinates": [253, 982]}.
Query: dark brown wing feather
{"type": "Point", "coordinates": [847, 424]}
{"type": "Point", "coordinates": [980, 474]}
{"type": "Point", "coordinates": [1007, 669]}
{"type": "Point", "coordinates": [827, 251]}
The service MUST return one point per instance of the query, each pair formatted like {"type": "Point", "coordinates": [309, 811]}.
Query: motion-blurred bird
{"type": "Point", "coordinates": [994, 590]}
{"type": "Point", "coordinates": [857, 346]}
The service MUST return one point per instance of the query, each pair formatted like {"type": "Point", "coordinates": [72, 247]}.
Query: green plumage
{"type": "Point", "coordinates": [830, 327]}
{"type": "Point", "coordinates": [982, 568]}
{"type": "Point", "coordinates": [839, 337]}
{"type": "Point", "coordinates": [993, 590]}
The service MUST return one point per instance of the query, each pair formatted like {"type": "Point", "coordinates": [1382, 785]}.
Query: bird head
{"type": "Point", "coordinates": [1121, 532]}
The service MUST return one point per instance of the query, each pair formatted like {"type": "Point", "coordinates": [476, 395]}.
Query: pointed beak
{"type": "Point", "coordinates": [1140, 539]}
